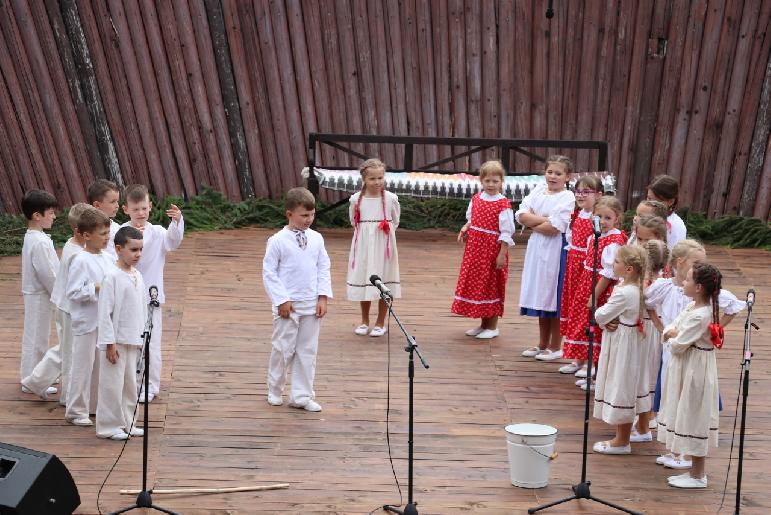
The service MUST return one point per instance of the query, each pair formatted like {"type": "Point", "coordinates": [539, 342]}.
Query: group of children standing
{"type": "Point", "coordinates": [657, 299]}
{"type": "Point", "coordinates": [98, 289]}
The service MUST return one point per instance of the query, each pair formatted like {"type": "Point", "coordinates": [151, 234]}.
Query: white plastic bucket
{"type": "Point", "coordinates": [530, 450]}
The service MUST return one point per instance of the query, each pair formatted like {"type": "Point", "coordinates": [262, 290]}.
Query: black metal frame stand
{"type": "Point", "coordinates": [747, 357]}
{"type": "Point", "coordinates": [581, 490]}
{"type": "Point", "coordinates": [144, 499]}
{"type": "Point", "coordinates": [412, 349]}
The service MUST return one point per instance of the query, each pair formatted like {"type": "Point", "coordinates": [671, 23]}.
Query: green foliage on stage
{"type": "Point", "coordinates": [211, 211]}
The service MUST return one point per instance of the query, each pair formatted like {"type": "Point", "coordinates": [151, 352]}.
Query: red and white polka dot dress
{"type": "Point", "coordinates": [481, 287]}
{"type": "Point", "coordinates": [576, 344]}
{"type": "Point", "coordinates": [579, 233]}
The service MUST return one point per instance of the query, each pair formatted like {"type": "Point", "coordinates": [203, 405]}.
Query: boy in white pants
{"type": "Point", "coordinates": [87, 271]}
{"type": "Point", "coordinates": [295, 272]}
{"type": "Point", "coordinates": [38, 274]}
{"type": "Point", "coordinates": [104, 195]}
{"type": "Point", "coordinates": [157, 243]}
{"type": "Point", "coordinates": [58, 359]}
{"type": "Point", "coordinates": [121, 324]}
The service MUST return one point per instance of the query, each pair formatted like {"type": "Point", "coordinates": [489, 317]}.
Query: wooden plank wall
{"type": "Point", "coordinates": [223, 93]}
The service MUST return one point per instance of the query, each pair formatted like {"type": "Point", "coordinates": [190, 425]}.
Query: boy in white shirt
{"type": "Point", "coordinates": [105, 196]}
{"type": "Point", "coordinates": [58, 359]}
{"type": "Point", "coordinates": [157, 243]}
{"type": "Point", "coordinates": [38, 274]}
{"type": "Point", "coordinates": [121, 324]}
{"type": "Point", "coordinates": [295, 272]}
{"type": "Point", "coordinates": [87, 271]}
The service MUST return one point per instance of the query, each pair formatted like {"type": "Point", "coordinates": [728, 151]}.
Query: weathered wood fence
{"type": "Point", "coordinates": [179, 94]}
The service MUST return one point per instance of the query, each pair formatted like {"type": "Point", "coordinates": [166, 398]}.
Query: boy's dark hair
{"type": "Point", "coordinates": [136, 193]}
{"type": "Point", "coordinates": [91, 219]}
{"type": "Point", "coordinates": [127, 233]}
{"type": "Point", "coordinates": [99, 188]}
{"type": "Point", "coordinates": [297, 197]}
{"type": "Point", "coordinates": [37, 201]}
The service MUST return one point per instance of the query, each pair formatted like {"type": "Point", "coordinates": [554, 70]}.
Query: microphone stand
{"type": "Point", "coordinates": [412, 348]}
{"type": "Point", "coordinates": [144, 499]}
{"type": "Point", "coordinates": [581, 490]}
{"type": "Point", "coordinates": [747, 357]}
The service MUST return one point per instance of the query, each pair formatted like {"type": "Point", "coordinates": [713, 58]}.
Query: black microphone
{"type": "Point", "coordinates": [154, 296]}
{"type": "Point", "coordinates": [596, 224]}
{"type": "Point", "coordinates": [378, 283]}
{"type": "Point", "coordinates": [750, 297]}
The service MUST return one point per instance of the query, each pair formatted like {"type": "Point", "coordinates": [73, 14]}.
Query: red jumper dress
{"type": "Point", "coordinates": [574, 267]}
{"type": "Point", "coordinates": [576, 344]}
{"type": "Point", "coordinates": [481, 286]}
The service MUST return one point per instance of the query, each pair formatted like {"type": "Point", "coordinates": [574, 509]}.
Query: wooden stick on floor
{"type": "Point", "coordinates": [255, 488]}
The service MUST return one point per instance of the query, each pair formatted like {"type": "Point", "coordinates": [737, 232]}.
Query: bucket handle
{"type": "Point", "coordinates": [550, 457]}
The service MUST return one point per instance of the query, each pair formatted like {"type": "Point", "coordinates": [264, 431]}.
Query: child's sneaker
{"type": "Point", "coordinates": [137, 431]}
{"type": "Point", "coordinates": [636, 437]}
{"type": "Point", "coordinates": [82, 421]}
{"type": "Point", "coordinates": [570, 368]}
{"type": "Point", "coordinates": [362, 330]}
{"type": "Point", "coordinates": [678, 463]}
{"type": "Point", "coordinates": [689, 482]}
{"type": "Point", "coordinates": [311, 406]}
{"type": "Point", "coordinates": [475, 331]}
{"type": "Point", "coordinates": [488, 334]}
{"type": "Point", "coordinates": [664, 458]}
{"type": "Point", "coordinates": [378, 331]}
{"type": "Point", "coordinates": [275, 400]}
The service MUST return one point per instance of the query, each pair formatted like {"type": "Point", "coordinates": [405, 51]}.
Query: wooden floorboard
{"type": "Point", "coordinates": [211, 425]}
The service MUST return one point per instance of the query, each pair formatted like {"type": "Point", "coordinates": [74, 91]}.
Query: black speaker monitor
{"type": "Point", "coordinates": [34, 483]}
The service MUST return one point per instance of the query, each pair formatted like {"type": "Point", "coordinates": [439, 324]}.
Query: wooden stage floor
{"type": "Point", "coordinates": [212, 427]}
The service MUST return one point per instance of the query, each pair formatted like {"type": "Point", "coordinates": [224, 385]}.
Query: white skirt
{"type": "Point", "coordinates": [689, 417]}
{"type": "Point", "coordinates": [369, 251]}
{"type": "Point", "coordinates": [615, 392]}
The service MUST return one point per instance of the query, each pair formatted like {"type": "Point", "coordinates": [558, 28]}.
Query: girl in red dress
{"type": "Point", "coordinates": [588, 190]}
{"type": "Point", "coordinates": [610, 210]}
{"type": "Point", "coordinates": [481, 287]}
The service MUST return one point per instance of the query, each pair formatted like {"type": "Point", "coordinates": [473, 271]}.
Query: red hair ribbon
{"type": "Point", "coordinates": [716, 334]}
{"type": "Point", "coordinates": [640, 326]}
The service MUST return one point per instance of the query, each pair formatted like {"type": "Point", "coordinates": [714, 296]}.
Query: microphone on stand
{"type": "Point", "coordinates": [154, 296]}
{"type": "Point", "coordinates": [378, 283]}
{"type": "Point", "coordinates": [596, 224]}
{"type": "Point", "coordinates": [750, 298]}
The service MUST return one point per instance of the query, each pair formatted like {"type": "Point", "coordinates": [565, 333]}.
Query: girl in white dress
{"type": "Point", "coordinates": [657, 253]}
{"type": "Point", "coordinates": [546, 210]}
{"type": "Point", "coordinates": [666, 189]}
{"type": "Point", "coordinates": [374, 214]}
{"type": "Point", "coordinates": [690, 416]}
{"type": "Point", "coordinates": [666, 295]}
{"type": "Point", "coordinates": [616, 388]}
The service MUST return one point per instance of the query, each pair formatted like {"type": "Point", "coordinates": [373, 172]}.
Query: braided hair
{"type": "Point", "coordinates": [656, 224]}
{"type": "Point", "coordinates": [658, 254]}
{"type": "Point", "coordinates": [370, 164]}
{"type": "Point", "coordinates": [636, 257]}
{"type": "Point", "coordinates": [710, 279]}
